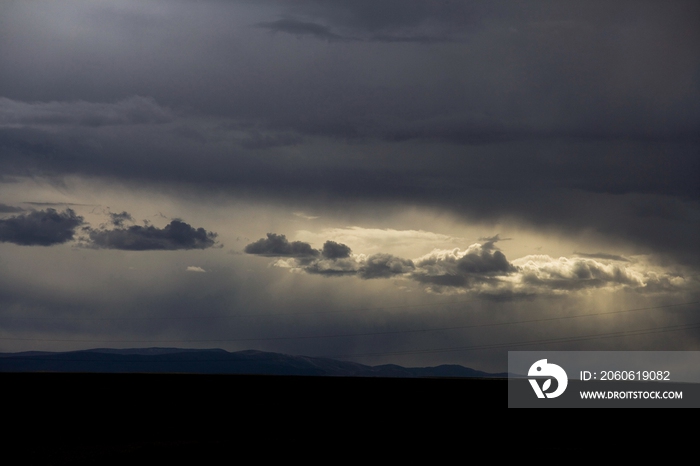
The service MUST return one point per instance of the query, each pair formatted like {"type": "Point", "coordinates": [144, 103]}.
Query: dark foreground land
{"type": "Point", "coordinates": [62, 418]}
{"type": "Point", "coordinates": [178, 406]}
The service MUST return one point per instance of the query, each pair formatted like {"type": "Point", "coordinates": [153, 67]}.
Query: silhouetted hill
{"type": "Point", "coordinates": [214, 361]}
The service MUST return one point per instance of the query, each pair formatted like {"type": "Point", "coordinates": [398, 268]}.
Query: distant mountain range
{"type": "Point", "coordinates": [216, 361]}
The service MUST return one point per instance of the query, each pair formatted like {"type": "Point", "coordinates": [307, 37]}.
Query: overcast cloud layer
{"type": "Point", "coordinates": [319, 124]}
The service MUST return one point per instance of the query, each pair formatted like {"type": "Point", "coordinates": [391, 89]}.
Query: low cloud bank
{"type": "Point", "coordinates": [481, 268]}
{"type": "Point", "coordinates": [50, 227]}
{"type": "Point", "coordinates": [40, 227]}
{"type": "Point", "coordinates": [176, 235]}
{"type": "Point", "coordinates": [278, 246]}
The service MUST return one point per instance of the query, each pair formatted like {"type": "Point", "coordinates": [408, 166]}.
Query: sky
{"type": "Point", "coordinates": [415, 182]}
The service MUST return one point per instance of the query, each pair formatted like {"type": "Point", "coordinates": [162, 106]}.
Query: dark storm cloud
{"type": "Point", "coordinates": [334, 260]}
{"type": "Point", "coordinates": [174, 236]}
{"type": "Point", "coordinates": [385, 266]}
{"type": "Point", "coordinates": [375, 266]}
{"type": "Point", "coordinates": [330, 267]}
{"type": "Point", "coordinates": [480, 269]}
{"type": "Point", "coordinates": [569, 117]}
{"type": "Point", "coordinates": [458, 268]}
{"type": "Point", "coordinates": [576, 275]}
{"type": "Point", "coordinates": [491, 275]}
{"type": "Point", "coordinates": [5, 209]}
{"type": "Point", "coordinates": [483, 263]}
{"type": "Point", "coordinates": [551, 70]}
{"type": "Point", "coordinates": [119, 219]}
{"type": "Point", "coordinates": [644, 193]}
{"type": "Point", "coordinates": [597, 70]}
{"type": "Point", "coordinates": [278, 246]}
{"type": "Point", "coordinates": [300, 28]}
{"type": "Point", "coordinates": [40, 228]}
{"type": "Point", "coordinates": [333, 250]}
